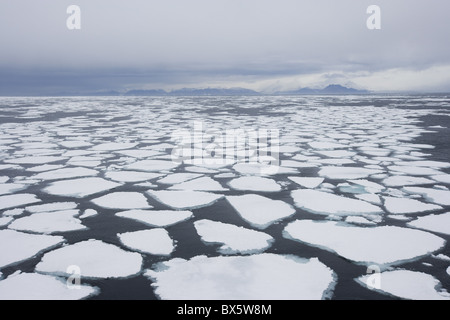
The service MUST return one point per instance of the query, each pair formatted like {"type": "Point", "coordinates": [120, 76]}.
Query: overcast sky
{"type": "Point", "coordinates": [266, 45]}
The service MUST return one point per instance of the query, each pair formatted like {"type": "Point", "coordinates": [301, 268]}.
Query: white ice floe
{"type": "Point", "coordinates": [18, 246]}
{"type": "Point", "coordinates": [345, 173]}
{"type": "Point", "coordinates": [3, 179]}
{"type": "Point", "coordinates": [441, 197]}
{"type": "Point", "coordinates": [369, 197]}
{"type": "Point", "coordinates": [88, 213]}
{"type": "Point", "coordinates": [4, 221]}
{"type": "Point", "coordinates": [122, 200]}
{"type": "Point", "coordinates": [323, 145]}
{"type": "Point", "coordinates": [337, 153]}
{"type": "Point", "coordinates": [65, 173]}
{"type": "Point", "coordinates": [359, 220]}
{"type": "Point", "coordinates": [260, 211]}
{"type": "Point", "coordinates": [79, 188]}
{"type": "Point", "coordinates": [139, 153]}
{"type": "Point", "coordinates": [34, 286]}
{"type": "Point", "coordinates": [441, 257]}
{"type": "Point", "coordinates": [199, 170]}
{"type": "Point", "coordinates": [369, 186]}
{"type": "Point", "coordinates": [184, 199]}
{"type": "Point", "coordinates": [13, 212]}
{"type": "Point", "coordinates": [233, 239]}
{"type": "Point", "coordinates": [401, 181]}
{"type": "Point", "coordinates": [242, 278]}
{"type": "Point", "coordinates": [334, 161]}
{"type": "Point", "coordinates": [307, 182]}
{"type": "Point", "coordinates": [448, 271]}
{"type": "Point", "coordinates": [152, 165]}
{"type": "Point", "coordinates": [225, 175]}
{"type": "Point", "coordinates": [407, 284]}
{"type": "Point", "coordinates": [75, 144]}
{"type": "Point", "coordinates": [114, 146]}
{"type": "Point", "coordinates": [443, 178]}
{"type": "Point", "coordinates": [424, 163]}
{"type": "Point", "coordinates": [200, 184]}
{"type": "Point", "coordinates": [415, 171]}
{"type": "Point", "coordinates": [17, 200]}
{"type": "Point", "coordinates": [6, 188]}
{"type": "Point", "coordinates": [156, 218]}
{"type": "Point", "coordinates": [255, 184]}
{"type": "Point", "coordinates": [255, 168]}
{"type": "Point", "coordinates": [95, 259]}
{"type": "Point", "coordinates": [325, 203]}
{"type": "Point", "coordinates": [54, 206]}
{"type": "Point", "coordinates": [178, 178]}
{"type": "Point", "coordinates": [384, 245]}
{"type": "Point", "coordinates": [49, 222]}
{"type": "Point", "coordinates": [437, 223]}
{"type": "Point", "coordinates": [131, 176]}
{"type": "Point", "coordinates": [407, 206]}
{"type": "Point", "coordinates": [400, 217]}
{"type": "Point", "coordinates": [153, 241]}
{"type": "Point", "coordinates": [297, 164]}
{"type": "Point", "coordinates": [45, 167]}
{"type": "Point", "coordinates": [35, 160]}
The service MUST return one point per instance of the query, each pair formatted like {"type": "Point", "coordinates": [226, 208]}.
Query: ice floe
{"type": "Point", "coordinates": [131, 176]}
{"type": "Point", "coordinates": [79, 188]}
{"type": "Point", "coordinates": [153, 241]}
{"type": "Point", "coordinates": [441, 197]}
{"type": "Point", "coordinates": [35, 160]}
{"type": "Point", "coordinates": [45, 167]}
{"type": "Point", "coordinates": [415, 171]}
{"type": "Point", "coordinates": [49, 222]}
{"type": "Point", "coordinates": [233, 239]}
{"type": "Point", "coordinates": [307, 182]}
{"type": "Point", "coordinates": [34, 286]}
{"type": "Point", "coordinates": [113, 146]}
{"type": "Point", "coordinates": [345, 173]}
{"type": "Point", "coordinates": [75, 144]}
{"type": "Point", "coordinates": [255, 184]}
{"type": "Point", "coordinates": [184, 199]}
{"type": "Point", "coordinates": [401, 181]}
{"type": "Point", "coordinates": [242, 278]}
{"type": "Point", "coordinates": [96, 259]}
{"type": "Point", "coordinates": [437, 223]}
{"type": "Point", "coordinates": [122, 200]}
{"type": "Point", "coordinates": [89, 213]}
{"type": "Point", "coordinates": [54, 206]}
{"type": "Point", "coordinates": [200, 184]}
{"type": "Point", "coordinates": [152, 165]}
{"type": "Point", "coordinates": [65, 173]}
{"type": "Point", "coordinates": [255, 168]}
{"type": "Point", "coordinates": [260, 211]}
{"type": "Point", "coordinates": [17, 200]}
{"type": "Point", "coordinates": [325, 203]}
{"type": "Point", "coordinates": [369, 197]}
{"type": "Point", "coordinates": [383, 245]}
{"type": "Point", "coordinates": [18, 246]}
{"type": "Point", "coordinates": [407, 206]}
{"type": "Point", "coordinates": [7, 188]}
{"type": "Point", "coordinates": [13, 212]}
{"type": "Point", "coordinates": [443, 178]}
{"type": "Point", "coordinates": [4, 221]}
{"type": "Point", "coordinates": [407, 284]}
{"type": "Point", "coordinates": [175, 178]}
{"type": "Point", "coordinates": [359, 220]}
{"type": "Point", "coordinates": [156, 218]}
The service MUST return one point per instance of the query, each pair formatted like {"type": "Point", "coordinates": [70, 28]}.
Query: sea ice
{"type": "Point", "coordinates": [345, 173]}
{"type": "Point", "coordinates": [369, 197]}
{"type": "Point", "coordinates": [325, 203]}
{"type": "Point", "coordinates": [233, 239]}
{"type": "Point", "coordinates": [4, 221]}
{"type": "Point", "coordinates": [45, 167]}
{"type": "Point", "coordinates": [122, 200]}
{"type": "Point", "coordinates": [6, 188]}
{"type": "Point", "coordinates": [139, 153]}
{"type": "Point", "coordinates": [88, 213]}
{"type": "Point", "coordinates": [401, 181]}
{"type": "Point", "coordinates": [242, 278]}
{"type": "Point", "coordinates": [49, 222]}
{"type": "Point", "coordinates": [407, 206]}
{"type": "Point", "coordinates": [337, 153]}
{"type": "Point", "coordinates": [114, 146]}
{"type": "Point", "coordinates": [359, 220]}
{"type": "Point", "coordinates": [260, 211]}
{"type": "Point", "coordinates": [184, 199]}
{"type": "Point", "coordinates": [131, 176]}
{"type": "Point", "coordinates": [437, 223]}
{"type": "Point", "coordinates": [297, 164]}
{"type": "Point", "coordinates": [200, 184]}
{"type": "Point", "coordinates": [34, 286]}
{"type": "Point", "coordinates": [322, 145]}
{"type": "Point", "coordinates": [441, 197]}
{"type": "Point", "coordinates": [79, 188]}
{"type": "Point", "coordinates": [152, 165]}
{"type": "Point", "coordinates": [415, 171]}
{"type": "Point", "coordinates": [384, 245]}
{"type": "Point", "coordinates": [175, 178]}
{"type": "Point", "coordinates": [95, 258]}
{"type": "Point", "coordinates": [48, 207]}
{"type": "Point", "coordinates": [255, 184]}
{"type": "Point", "coordinates": [443, 178]}
{"type": "Point", "coordinates": [153, 241]}
{"type": "Point", "coordinates": [35, 160]}
{"type": "Point", "coordinates": [17, 200]}
{"type": "Point", "coordinates": [65, 173]}
{"type": "Point", "coordinates": [75, 144]}
{"type": "Point", "coordinates": [307, 182]}
{"type": "Point", "coordinates": [156, 218]}
{"type": "Point", "coordinates": [407, 284]}
{"type": "Point", "coordinates": [17, 246]}
{"type": "Point", "coordinates": [13, 212]}
{"type": "Point", "coordinates": [256, 168]}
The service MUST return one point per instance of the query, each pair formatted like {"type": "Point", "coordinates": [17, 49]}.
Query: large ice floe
{"type": "Point", "coordinates": [79, 188]}
{"type": "Point", "coordinates": [242, 278]}
{"type": "Point", "coordinates": [345, 173]}
{"type": "Point", "coordinates": [200, 184]}
{"type": "Point", "coordinates": [152, 165]}
{"type": "Point", "coordinates": [383, 245]}
{"type": "Point", "coordinates": [156, 218]}
{"type": "Point", "coordinates": [255, 184]}
{"type": "Point", "coordinates": [65, 173]}
{"type": "Point", "coordinates": [439, 223]}
{"type": "Point", "coordinates": [407, 284]}
{"type": "Point", "coordinates": [122, 201]}
{"type": "Point", "coordinates": [307, 182]}
{"type": "Point", "coordinates": [184, 199]}
{"type": "Point", "coordinates": [233, 239]}
{"type": "Point", "coordinates": [441, 197]}
{"type": "Point", "coordinates": [131, 176]}
{"type": "Point", "coordinates": [96, 259]}
{"type": "Point", "coordinates": [405, 206]}
{"type": "Point", "coordinates": [326, 203]}
{"type": "Point", "coordinates": [34, 286]}
{"type": "Point", "coordinates": [153, 241]}
{"type": "Point", "coordinates": [18, 246]}
{"type": "Point", "coordinates": [260, 211]}
{"type": "Point", "coordinates": [17, 200]}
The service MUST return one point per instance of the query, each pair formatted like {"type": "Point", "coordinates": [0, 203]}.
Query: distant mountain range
{"type": "Point", "coordinates": [331, 89]}
{"type": "Point", "coordinates": [195, 92]}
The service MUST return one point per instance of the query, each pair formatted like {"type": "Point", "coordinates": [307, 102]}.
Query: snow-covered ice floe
{"type": "Point", "coordinates": [407, 284]}
{"type": "Point", "coordinates": [122, 201]}
{"type": "Point", "coordinates": [345, 173]}
{"type": "Point", "coordinates": [153, 241]}
{"type": "Point", "coordinates": [383, 245]}
{"type": "Point", "coordinates": [256, 277]}
{"type": "Point", "coordinates": [152, 165]}
{"type": "Point", "coordinates": [407, 206]}
{"type": "Point", "coordinates": [131, 176]}
{"type": "Point", "coordinates": [199, 184]}
{"type": "Point", "coordinates": [18, 246]}
{"type": "Point", "coordinates": [184, 199]}
{"type": "Point", "coordinates": [260, 211]}
{"type": "Point", "coordinates": [326, 203]}
{"type": "Point", "coordinates": [441, 197]}
{"type": "Point", "coordinates": [34, 286]}
{"type": "Point", "coordinates": [157, 218]}
{"type": "Point", "coordinates": [95, 258]}
{"type": "Point", "coordinates": [439, 223]}
{"type": "Point", "coordinates": [54, 206]}
{"type": "Point", "coordinates": [307, 182]}
{"type": "Point", "coordinates": [65, 173]}
{"type": "Point", "coordinates": [233, 239]}
{"type": "Point", "coordinates": [79, 188]}
{"type": "Point", "coordinates": [175, 178]}
{"type": "Point", "coordinates": [17, 200]}
{"type": "Point", "coordinates": [255, 184]}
